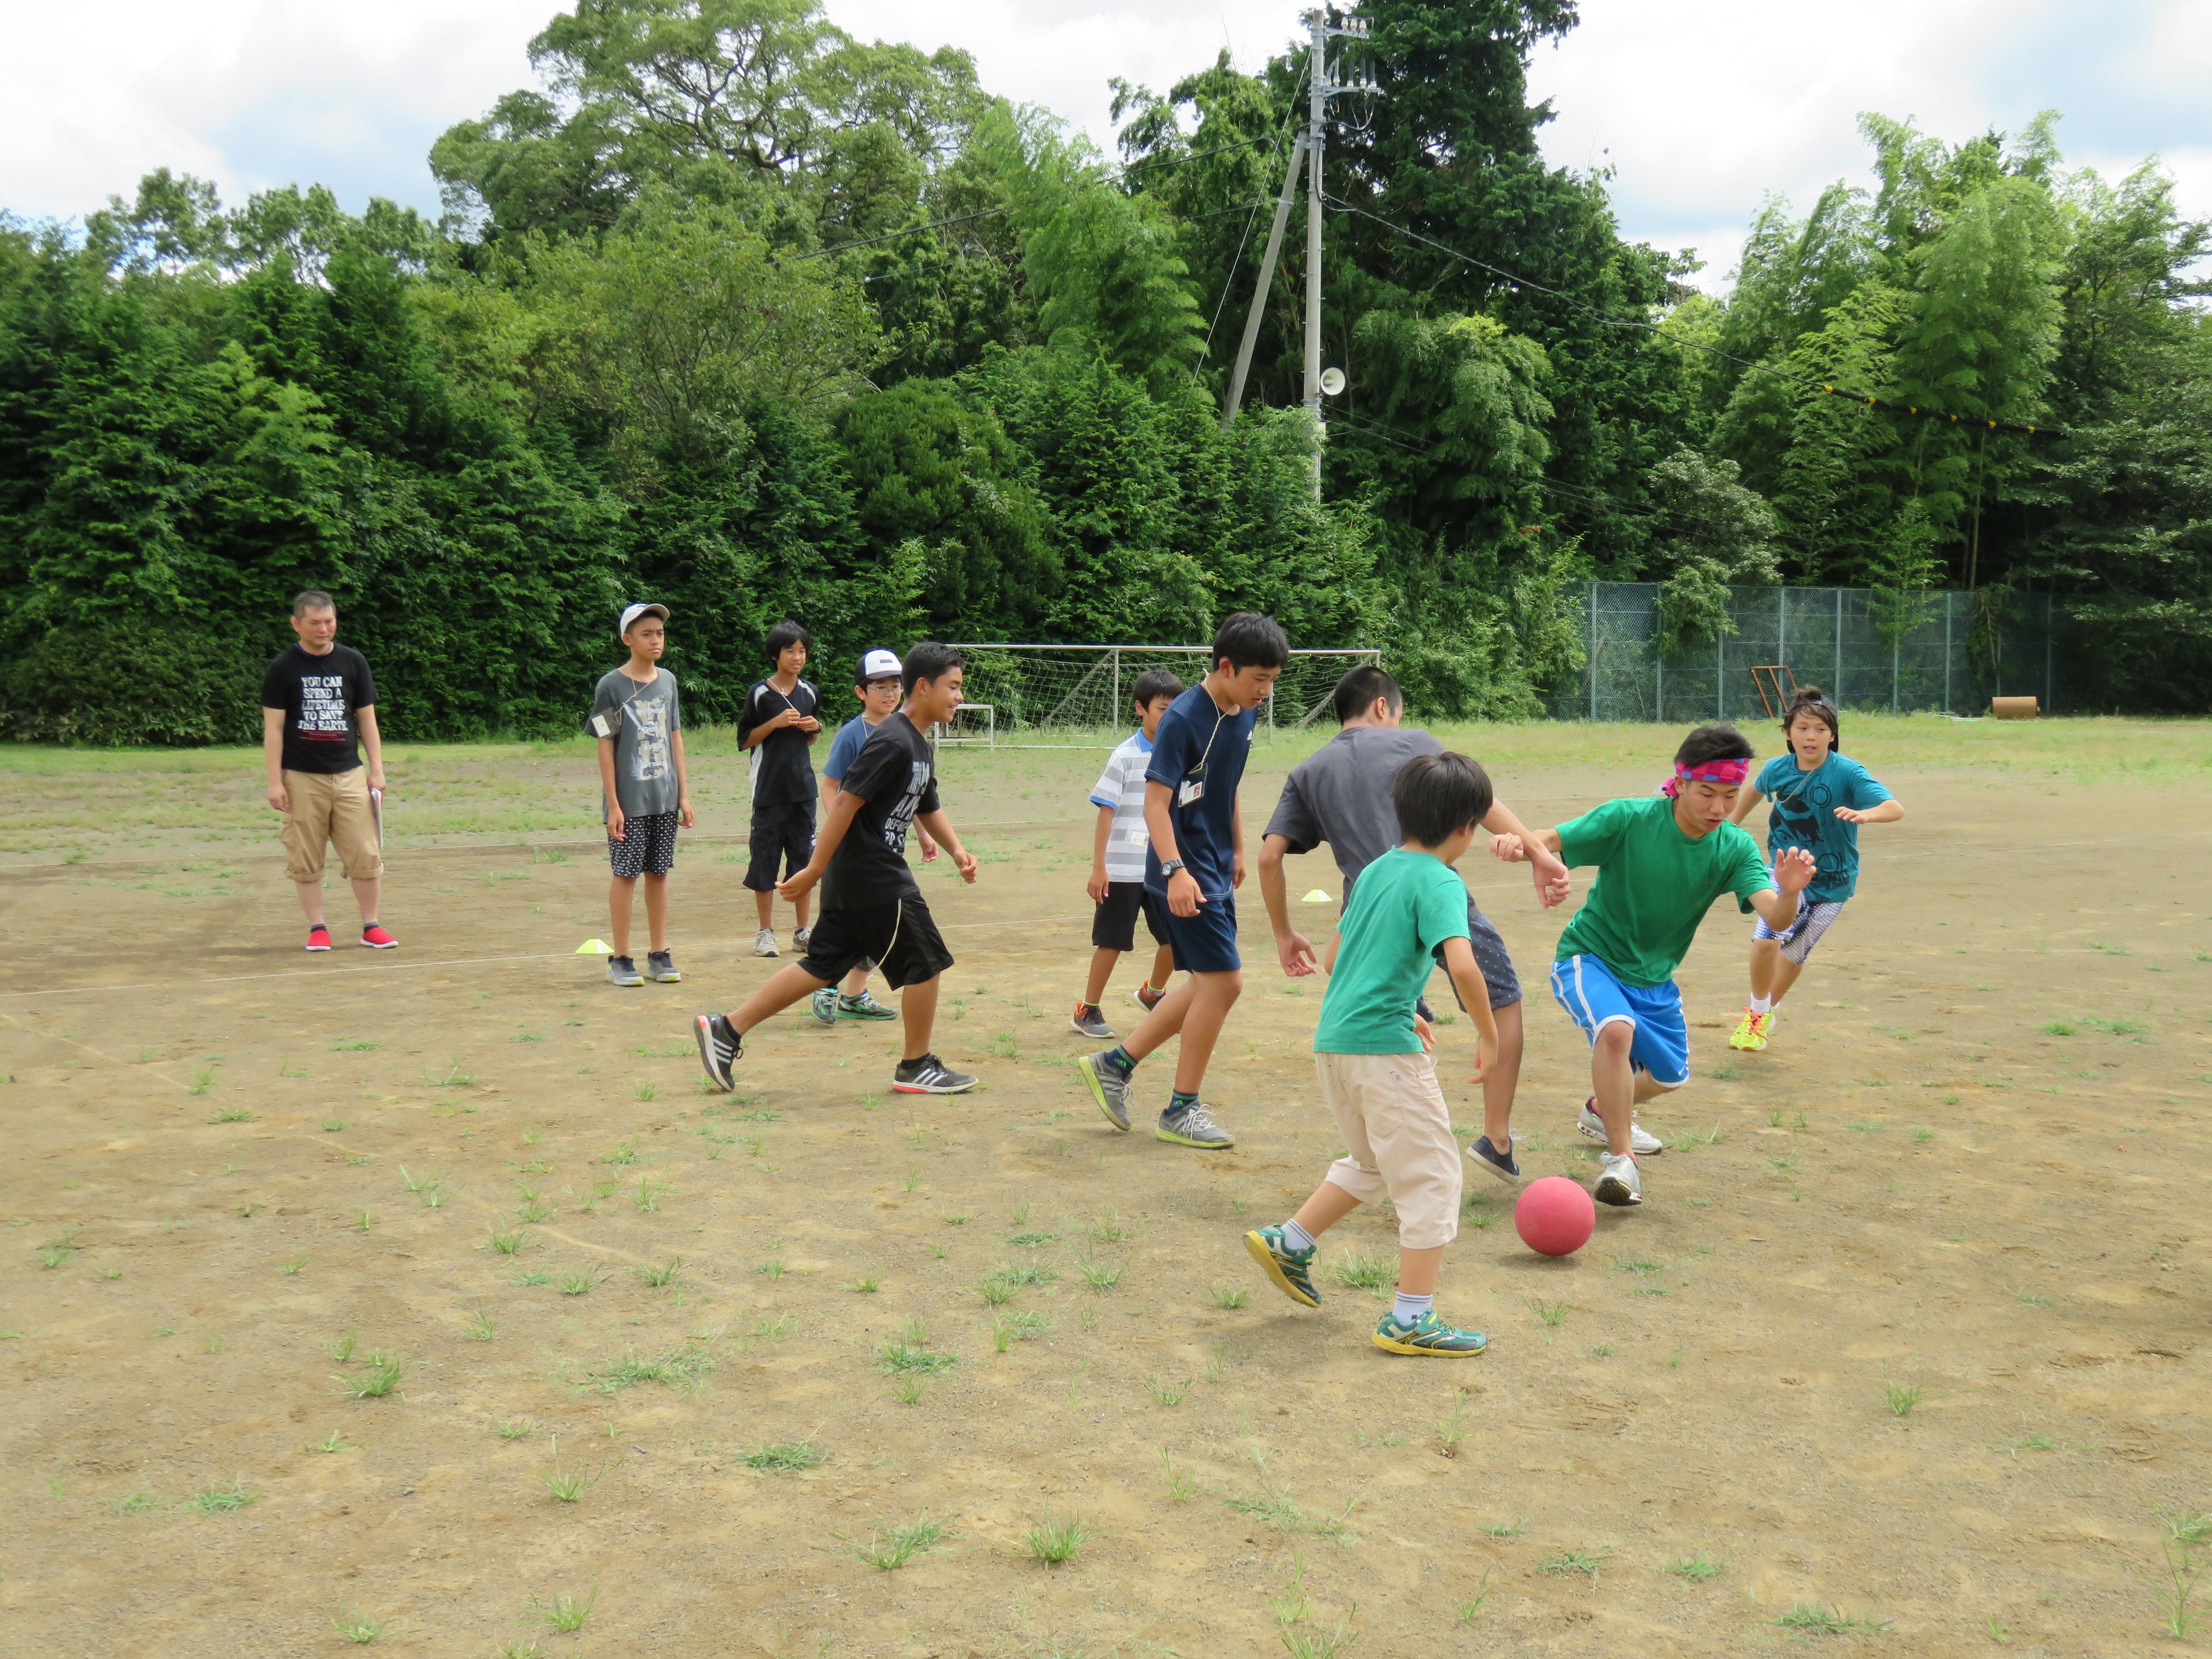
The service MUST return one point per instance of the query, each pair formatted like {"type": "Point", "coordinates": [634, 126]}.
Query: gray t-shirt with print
{"type": "Point", "coordinates": [1340, 795]}
{"type": "Point", "coordinates": [643, 720]}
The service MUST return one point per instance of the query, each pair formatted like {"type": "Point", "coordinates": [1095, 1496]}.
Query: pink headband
{"type": "Point", "coordinates": [1711, 771]}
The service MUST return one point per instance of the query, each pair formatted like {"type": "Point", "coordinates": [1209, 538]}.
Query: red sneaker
{"type": "Point", "coordinates": [319, 937]}
{"type": "Point", "coordinates": [376, 938]}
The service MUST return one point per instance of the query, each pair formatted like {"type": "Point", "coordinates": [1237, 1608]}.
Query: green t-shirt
{"type": "Point", "coordinates": [1406, 906]}
{"type": "Point", "coordinates": [1654, 885]}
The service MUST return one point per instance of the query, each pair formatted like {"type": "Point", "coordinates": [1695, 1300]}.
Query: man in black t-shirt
{"type": "Point", "coordinates": [871, 908]}
{"type": "Point", "coordinates": [317, 697]}
{"type": "Point", "coordinates": [777, 723]}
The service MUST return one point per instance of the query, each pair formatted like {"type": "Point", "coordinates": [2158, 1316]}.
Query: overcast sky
{"type": "Point", "coordinates": [1701, 106]}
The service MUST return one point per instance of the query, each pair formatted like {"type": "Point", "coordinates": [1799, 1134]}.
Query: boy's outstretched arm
{"type": "Point", "coordinates": [1466, 980]}
{"type": "Point", "coordinates": [838, 820]}
{"type": "Point", "coordinates": [1889, 813]}
{"type": "Point", "coordinates": [1294, 950]}
{"type": "Point", "coordinates": [1746, 798]}
{"type": "Point", "coordinates": [936, 823]}
{"type": "Point", "coordinates": [1794, 869]}
{"type": "Point", "coordinates": [1551, 875]}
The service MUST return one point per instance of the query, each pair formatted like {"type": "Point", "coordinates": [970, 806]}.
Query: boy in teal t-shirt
{"type": "Point", "coordinates": [1662, 861]}
{"type": "Point", "coordinates": [1372, 1052]}
{"type": "Point", "coordinates": [1820, 797]}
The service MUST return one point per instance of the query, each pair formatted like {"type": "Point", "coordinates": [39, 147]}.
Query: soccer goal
{"type": "Point", "coordinates": [1070, 696]}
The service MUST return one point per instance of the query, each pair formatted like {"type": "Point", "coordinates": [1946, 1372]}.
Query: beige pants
{"type": "Point", "coordinates": [1398, 1134]}
{"type": "Point", "coordinates": [329, 807]}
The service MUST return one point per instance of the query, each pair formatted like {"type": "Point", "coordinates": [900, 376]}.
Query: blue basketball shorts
{"type": "Point", "coordinates": [1589, 993]}
{"type": "Point", "coordinates": [1203, 944]}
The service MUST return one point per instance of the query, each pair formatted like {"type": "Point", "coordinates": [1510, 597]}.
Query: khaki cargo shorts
{"type": "Point", "coordinates": [1398, 1137]}
{"type": "Point", "coordinates": [330, 808]}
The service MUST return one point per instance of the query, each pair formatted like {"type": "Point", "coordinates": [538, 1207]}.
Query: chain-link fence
{"type": "Point", "coordinates": [1949, 651]}
{"type": "Point", "coordinates": [1048, 697]}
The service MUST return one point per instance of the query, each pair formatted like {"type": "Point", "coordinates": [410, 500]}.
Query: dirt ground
{"type": "Point", "coordinates": [1906, 1350]}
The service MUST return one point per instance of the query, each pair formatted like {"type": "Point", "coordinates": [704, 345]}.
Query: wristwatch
{"type": "Point", "coordinates": [1168, 866]}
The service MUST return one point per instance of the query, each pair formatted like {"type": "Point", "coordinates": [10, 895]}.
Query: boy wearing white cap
{"type": "Point", "coordinates": [879, 685]}
{"type": "Point", "coordinates": [646, 792]}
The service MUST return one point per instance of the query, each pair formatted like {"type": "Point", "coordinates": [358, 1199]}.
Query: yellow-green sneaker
{"type": "Point", "coordinates": [1289, 1269]}
{"type": "Point", "coordinates": [1428, 1336]}
{"type": "Point", "coordinates": [1750, 1032]}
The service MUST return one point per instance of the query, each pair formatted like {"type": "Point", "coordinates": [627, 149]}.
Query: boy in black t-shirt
{"type": "Point", "coordinates": [872, 910]}
{"type": "Point", "coordinates": [777, 724]}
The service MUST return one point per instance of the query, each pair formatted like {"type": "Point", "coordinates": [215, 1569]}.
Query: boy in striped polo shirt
{"type": "Point", "coordinates": [1117, 859]}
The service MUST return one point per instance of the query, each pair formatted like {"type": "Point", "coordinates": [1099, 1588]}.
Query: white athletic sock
{"type": "Point", "coordinates": [1296, 1237]}
{"type": "Point", "coordinates": [1762, 1005]}
{"type": "Point", "coordinates": [1410, 1308]}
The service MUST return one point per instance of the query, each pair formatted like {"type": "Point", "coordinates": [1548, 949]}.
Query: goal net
{"type": "Point", "coordinates": [1056, 696]}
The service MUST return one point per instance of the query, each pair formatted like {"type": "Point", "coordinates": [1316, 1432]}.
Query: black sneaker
{"type": "Point", "coordinates": [621, 971]}
{"type": "Point", "coordinates": [660, 965]}
{"type": "Point", "coordinates": [1500, 1165]}
{"type": "Point", "coordinates": [930, 1076]}
{"type": "Point", "coordinates": [720, 1048]}
{"type": "Point", "coordinates": [1090, 1020]}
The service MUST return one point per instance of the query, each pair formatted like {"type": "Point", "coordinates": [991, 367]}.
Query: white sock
{"type": "Point", "coordinates": [1295, 1237]}
{"type": "Point", "coordinates": [1410, 1308]}
{"type": "Point", "coordinates": [1762, 1005]}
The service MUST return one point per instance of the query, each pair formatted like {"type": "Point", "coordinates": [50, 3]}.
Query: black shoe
{"type": "Point", "coordinates": [1500, 1165]}
{"type": "Point", "coordinates": [930, 1076]}
{"type": "Point", "coordinates": [1422, 1011]}
{"type": "Point", "coordinates": [719, 1048]}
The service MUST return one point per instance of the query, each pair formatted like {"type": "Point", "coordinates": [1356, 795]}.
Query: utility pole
{"type": "Point", "coordinates": [1308, 148]}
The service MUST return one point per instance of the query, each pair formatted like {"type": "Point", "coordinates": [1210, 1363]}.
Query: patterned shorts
{"type": "Point", "coordinates": [1804, 930]}
{"type": "Point", "coordinates": [648, 847]}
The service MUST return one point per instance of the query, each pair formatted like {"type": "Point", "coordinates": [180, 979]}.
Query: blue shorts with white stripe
{"type": "Point", "coordinates": [1588, 990]}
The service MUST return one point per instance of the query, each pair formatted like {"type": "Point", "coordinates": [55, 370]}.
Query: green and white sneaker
{"type": "Point", "coordinates": [823, 1005]}
{"type": "Point", "coordinates": [1193, 1127]}
{"type": "Point", "coordinates": [1287, 1267]}
{"type": "Point", "coordinates": [1428, 1336]}
{"type": "Point", "coordinates": [864, 1006]}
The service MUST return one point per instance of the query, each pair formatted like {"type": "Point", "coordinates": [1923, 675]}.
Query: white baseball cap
{"type": "Point", "coordinates": [878, 664]}
{"type": "Point", "coordinates": [632, 612]}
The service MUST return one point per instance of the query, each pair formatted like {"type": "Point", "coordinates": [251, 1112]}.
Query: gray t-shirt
{"type": "Point", "coordinates": [643, 720]}
{"type": "Point", "coordinates": [1340, 795]}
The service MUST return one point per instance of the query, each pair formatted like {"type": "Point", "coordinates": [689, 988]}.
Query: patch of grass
{"type": "Point", "coordinates": [137, 1502]}
{"type": "Point", "coordinates": [292, 1268]}
{"type": "Point", "coordinates": [1901, 1398]}
{"type": "Point", "coordinates": [679, 1367]}
{"type": "Point", "coordinates": [784, 1457]}
{"type": "Point", "coordinates": [1019, 1326]}
{"type": "Point", "coordinates": [481, 1327]}
{"type": "Point", "coordinates": [2185, 1557]}
{"type": "Point", "coordinates": [340, 1348]}
{"type": "Point", "coordinates": [567, 1486]}
{"type": "Point", "coordinates": [219, 1500]}
{"type": "Point", "coordinates": [1053, 1541]}
{"type": "Point", "coordinates": [1642, 1266]}
{"type": "Point", "coordinates": [909, 1354]}
{"type": "Point", "coordinates": [231, 1115]}
{"type": "Point", "coordinates": [1230, 1296]}
{"type": "Point", "coordinates": [455, 1076]}
{"type": "Point", "coordinates": [1711, 1137]}
{"type": "Point", "coordinates": [2032, 1442]}
{"type": "Point", "coordinates": [58, 1249]}
{"type": "Point", "coordinates": [1587, 1562]}
{"type": "Point", "coordinates": [1550, 1312]}
{"type": "Point", "coordinates": [660, 1277]}
{"type": "Point", "coordinates": [2029, 1298]}
{"type": "Point", "coordinates": [867, 1286]}
{"type": "Point", "coordinates": [1363, 1272]}
{"type": "Point", "coordinates": [1107, 1229]}
{"type": "Point", "coordinates": [1100, 1276]}
{"type": "Point", "coordinates": [651, 1189]}
{"type": "Point", "coordinates": [578, 1283]}
{"type": "Point", "coordinates": [384, 1375]}
{"type": "Point", "coordinates": [357, 1626]}
{"type": "Point", "coordinates": [1030, 1240]}
{"type": "Point", "coordinates": [507, 1243]}
{"type": "Point", "coordinates": [1451, 1428]}
{"type": "Point", "coordinates": [1169, 1395]}
{"type": "Point", "coordinates": [1806, 1619]}
{"type": "Point", "coordinates": [333, 1126]}
{"type": "Point", "coordinates": [1181, 1487]}
{"type": "Point", "coordinates": [890, 1551]}
{"type": "Point", "coordinates": [1694, 1569]}
{"type": "Point", "coordinates": [565, 1612]}
{"type": "Point", "coordinates": [995, 1291]}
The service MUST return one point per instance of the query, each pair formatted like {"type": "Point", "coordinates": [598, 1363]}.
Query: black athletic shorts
{"type": "Point", "coordinates": [900, 940]}
{"type": "Point", "coordinates": [1114, 924]}
{"type": "Point", "coordinates": [783, 831]}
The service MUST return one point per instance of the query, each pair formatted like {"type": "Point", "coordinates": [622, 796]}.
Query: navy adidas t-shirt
{"type": "Point", "coordinates": [1193, 734]}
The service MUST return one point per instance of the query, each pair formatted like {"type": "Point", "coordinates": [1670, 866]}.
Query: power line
{"type": "Point", "coordinates": [1517, 281]}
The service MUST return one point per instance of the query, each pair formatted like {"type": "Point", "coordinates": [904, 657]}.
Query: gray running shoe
{"type": "Point", "coordinates": [1641, 1142]}
{"type": "Point", "coordinates": [621, 971]}
{"type": "Point", "coordinates": [823, 1005]}
{"type": "Point", "coordinates": [801, 938]}
{"type": "Point", "coordinates": [1090, 1021]}
{"type": "Point", "coordinates": [719, 1048]}
{"type": "Point", "coordinates": [1193, 1127]}
{"type": "Point", "coordinates": [660, 967]}
{"type": "Point", "coordinates": [930, 1076]}
{"type": "Point", "coordinates": [1109, 1087]}
{"type": "Point", "coordinates": [764, 942]}
{"type": "Point", "coordinates": [1618, 1180]}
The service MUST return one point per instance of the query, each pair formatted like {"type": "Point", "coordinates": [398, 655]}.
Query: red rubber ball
{"type": "Point", "coordinates": [1554, 1216]}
